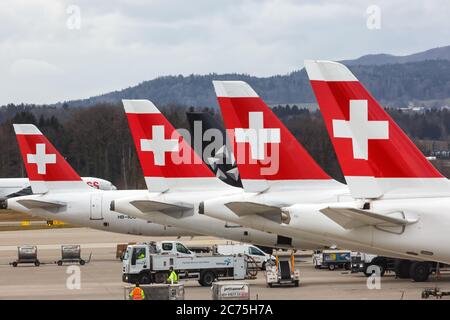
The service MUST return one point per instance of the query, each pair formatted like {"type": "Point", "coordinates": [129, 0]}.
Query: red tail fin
{"type": "Point", "coordinates": [264, 148]}
{"type": "Point", "coordinates": [376, 156]}
{"type": "Point", "coordinates": [46, 168]}
{"type": "Point", "coordinates": [167, 160]}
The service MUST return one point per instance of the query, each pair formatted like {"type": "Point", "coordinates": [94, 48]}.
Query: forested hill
{"type": "Point", "coordinates": [97, 142]}
{"type": "Point", "coordinates": [440, 53]}
{"type": "Point", "coordinates": [393, 84]}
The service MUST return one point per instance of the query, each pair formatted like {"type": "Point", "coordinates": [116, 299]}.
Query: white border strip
{"type": "Point", "coordinates": [234, 89]}
{"type": "Point", "coordinates": [328, 71]}
{"type": "Point", "coordinates": [26, 129]}
{"type": "Point", "coordinates": [140, 106]}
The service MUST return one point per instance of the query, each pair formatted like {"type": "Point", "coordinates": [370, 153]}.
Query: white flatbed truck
{"type": "Point", "coordinates": [148, 263]}
{"type": "Point", "coordinates": [419, 271]}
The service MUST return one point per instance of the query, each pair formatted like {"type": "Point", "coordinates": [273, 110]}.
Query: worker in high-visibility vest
{"type": "Point", "coordinates": [137, 293]}
{"type": "Point", "coordinates": [173, 277]}
{"type": "Point", "coordinates": [141, 255]}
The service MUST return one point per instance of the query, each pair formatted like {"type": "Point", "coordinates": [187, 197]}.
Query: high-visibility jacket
{"type": "Point", "coordinates": [173, 277]}
{"type": "Point", "coordinates": [137, 294]}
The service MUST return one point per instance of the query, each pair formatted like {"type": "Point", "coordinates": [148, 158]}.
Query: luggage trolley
{"type": "Point", "coordinates": [26, 254]}
{"type": "Point", "coordinates": [71, 254]}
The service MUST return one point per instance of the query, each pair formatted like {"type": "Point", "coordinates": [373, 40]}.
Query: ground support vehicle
{"type": "Point", "coordinates": [26, 255]}
{"type": "Point", "coordinates": [145, 264]}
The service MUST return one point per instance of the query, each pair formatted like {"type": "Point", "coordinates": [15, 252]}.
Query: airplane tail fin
{"type": "Point", "coordinates": [46, 168]}
{"type": "Point", "coordinates": [167, 160]}
{"type": "Point", "coordinates": [376, 156]}
{"type": "Point", "coordinates": [267, 154]}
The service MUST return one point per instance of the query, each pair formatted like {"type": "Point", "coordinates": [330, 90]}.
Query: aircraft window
{"type": "Point", "coordinates": [167, 247]}
{"type": "Point", "coordinates": [182, 249]}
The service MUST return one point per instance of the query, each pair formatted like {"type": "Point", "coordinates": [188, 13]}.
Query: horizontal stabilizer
{"type": "Point", "coordinates": [38, 204]}
{"type": "Point", "coordinates": [250, 208]}
{"type": "Point", "coordinates": [152, 206]}
{"type": "Point", "coordinates": [351, 218]}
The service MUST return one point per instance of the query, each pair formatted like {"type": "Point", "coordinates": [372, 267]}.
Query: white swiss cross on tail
{"type": "Point", "coordinates": [41, 159]}
{"type": "Point", "coordinates": [256, 135]}
{"type": "Point", "coordinates": [360, 129]}
{"type": "Point", "coordinates": [159, 145]}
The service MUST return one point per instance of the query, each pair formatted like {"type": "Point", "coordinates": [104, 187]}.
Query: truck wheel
{"type": "Point", "coordinates": [296, 283]}
{"type": "Point", "coordinates": [331, 267]}
{"type": "Point", "coordinates": [37, 263]}
{"type": "Point", "coordinates": [82, 262]}
{"type": "Point", "coordinates": [14, 264]}
{"type": "Point", "coordinates": [419, 271]}
{"type": "Point", "coordinates": [381, 266]}
{"type": "Point", "coordinates": [381, 263]}
{"type": "Point", "coordinates": [402, 269]}
{"type": "Point", "coordinates": [161, 277]}
{"type": "Point", "coordinates": [263, 266]}
{"type": "Point", "coordinates": [144, 279]}
{"type": "Point", "coordinates": [382, 269]}
{"type": "Point", "coordinates": [207, 278]}
{"type": "Point", "coordinates": [59, 263]}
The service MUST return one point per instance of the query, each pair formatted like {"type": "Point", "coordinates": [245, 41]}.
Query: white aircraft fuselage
{"type": "Point", "coordinates": [425, 238]}
{"type": "Point", "coordinates": [9, 186]}
{"type": "Point", "coordinates": [307, 222]}
{"type": "Point", "coordinates": [190, 218]}
{"type": "Point", "coordinates": [258, 229]}
{"type": "Point", "coordinates": [92, 209]}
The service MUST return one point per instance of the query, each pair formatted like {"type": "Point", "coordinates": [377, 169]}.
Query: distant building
{"type": "Point", "coordinates": [300, 105]}
{"type": "Point", "coordinates": [411, 108]}
{"type": "Point", "coordinates": [441, 154]}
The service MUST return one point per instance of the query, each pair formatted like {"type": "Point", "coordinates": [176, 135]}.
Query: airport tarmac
{"type": "Point", "coordinates": [101, 278]}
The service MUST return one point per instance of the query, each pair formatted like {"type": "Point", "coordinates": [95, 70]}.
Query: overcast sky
{"type": "Point", "coordinates": [46, 58]}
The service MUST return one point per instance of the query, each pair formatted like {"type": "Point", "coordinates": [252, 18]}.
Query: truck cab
{"type": "Point", "coordinates": [332, 259]}
{"type": "Point", "coordinates": [137, 257]}
{"type": "Point", "coordinates": [174, 247]}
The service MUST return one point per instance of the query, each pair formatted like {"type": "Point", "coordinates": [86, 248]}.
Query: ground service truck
{"type": "Point", "coordinates": [150, 263]}
{"type": "Point", "coordinates": [403, 269]}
